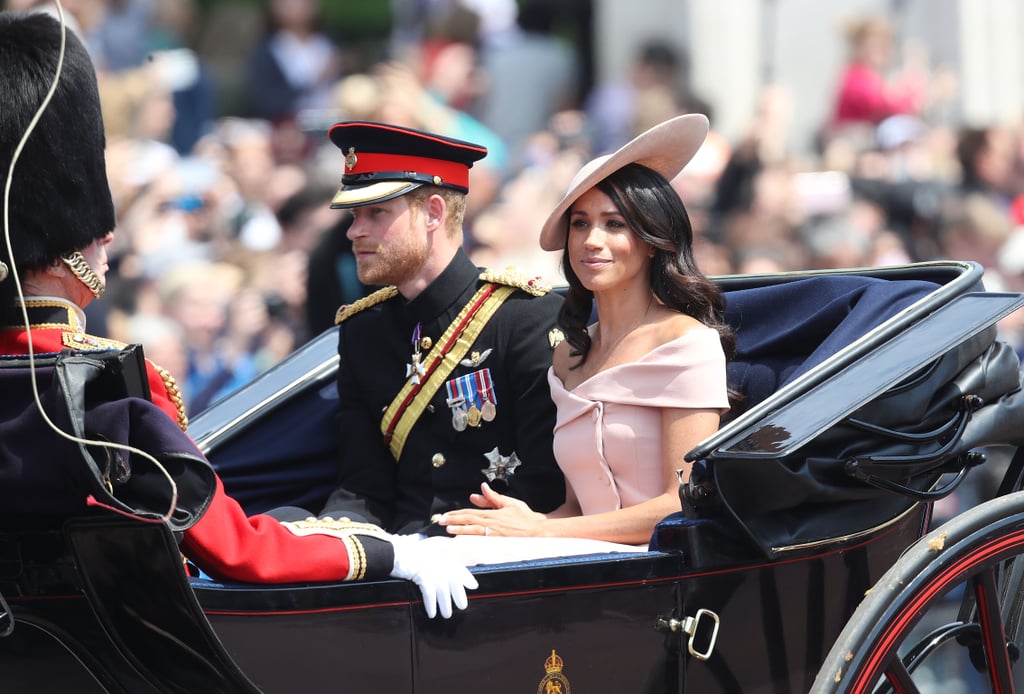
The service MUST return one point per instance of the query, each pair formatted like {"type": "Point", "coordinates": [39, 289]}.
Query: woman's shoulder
{"type": "Point", "coordinates": [669, 326]}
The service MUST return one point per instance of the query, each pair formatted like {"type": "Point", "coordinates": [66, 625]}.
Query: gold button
{"type": "Point", "coordinates": [426, 342]}
{"type": "Point", "coordinates": [438, 460]}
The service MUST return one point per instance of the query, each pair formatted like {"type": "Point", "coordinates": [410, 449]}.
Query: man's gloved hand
{"type": "Point", "coordinates": [443, 580]}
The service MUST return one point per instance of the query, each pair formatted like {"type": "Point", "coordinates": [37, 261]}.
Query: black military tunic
{"type": "Point", "coordinates": [440, 466]}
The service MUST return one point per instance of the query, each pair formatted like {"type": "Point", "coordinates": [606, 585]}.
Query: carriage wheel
{"type": "Point", "coordinates": [955, 597]}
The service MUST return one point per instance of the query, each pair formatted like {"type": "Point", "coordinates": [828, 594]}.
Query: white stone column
{"type": "Point", "coordinates": [991, 60]}
{"type": "Point", "coordinates": [726, 54]}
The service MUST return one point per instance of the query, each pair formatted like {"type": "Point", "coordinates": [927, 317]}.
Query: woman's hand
{"type": "Point", "coordinates": [497, 515]}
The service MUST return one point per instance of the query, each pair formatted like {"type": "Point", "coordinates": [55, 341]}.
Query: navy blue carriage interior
{"type": "Point", "coordinates": [787, 328]}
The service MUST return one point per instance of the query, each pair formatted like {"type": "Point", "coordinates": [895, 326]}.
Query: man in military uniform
{"type": "Point", "coordinates": [443, 373]}
{"type": "Point", "coordinates": [60, 224]}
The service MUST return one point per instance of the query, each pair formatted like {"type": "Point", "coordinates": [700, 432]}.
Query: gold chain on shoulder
{"type": "Point", "coordinates": [513, 278]}
{"type": "Point", "coordinates": [174, 393]}
{"type": "Point", "coordinates": [379, 296]}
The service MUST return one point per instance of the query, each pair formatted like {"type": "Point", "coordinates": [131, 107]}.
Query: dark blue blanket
{"type": "Point", "coordinates": [784, 330]}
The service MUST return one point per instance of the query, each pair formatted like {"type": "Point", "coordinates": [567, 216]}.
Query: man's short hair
{"type": "Point", "coordinates": [454, 200]}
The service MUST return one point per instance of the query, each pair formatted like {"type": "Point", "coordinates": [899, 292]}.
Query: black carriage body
{"type": "Point", "coordinates": [608, 618]}
{"type": "Point", "coordinates": [721, 605]}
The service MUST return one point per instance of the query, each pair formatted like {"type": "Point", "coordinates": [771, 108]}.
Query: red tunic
{"type": "Point", "coordinates": [224, 542]}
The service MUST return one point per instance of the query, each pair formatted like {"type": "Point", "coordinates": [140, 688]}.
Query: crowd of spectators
{"type": "Point", "coordinates": [227, 255]}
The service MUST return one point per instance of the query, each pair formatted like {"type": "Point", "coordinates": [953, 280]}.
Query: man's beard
{"type": "Point", "coordinates": [393, 263]}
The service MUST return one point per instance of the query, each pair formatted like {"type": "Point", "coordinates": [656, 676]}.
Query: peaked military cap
{"type": "Point", "coordinates": [384, 161]}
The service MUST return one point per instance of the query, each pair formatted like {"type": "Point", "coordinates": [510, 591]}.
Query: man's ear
{"type": "Point", "coordinates": [56, 269]}
{"type": "Point", "coordinates": [436, 210]}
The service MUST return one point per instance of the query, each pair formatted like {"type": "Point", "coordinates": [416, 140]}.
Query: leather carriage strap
{"type": "Point", "coordinates": [411, 401]}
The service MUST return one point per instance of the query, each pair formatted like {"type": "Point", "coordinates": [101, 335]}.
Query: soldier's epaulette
{"type": "Point", "coordinates": [378, 297]}
{"type": "Point", "coordinates": [84, 343]}
{"type": "Point", "coordinates": [531, 285]}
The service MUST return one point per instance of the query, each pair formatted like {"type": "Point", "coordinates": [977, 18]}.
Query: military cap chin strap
{"type": "Point", "coordinates": [412, 400]}
{"type": "Point", "coordinates": [79, 267]}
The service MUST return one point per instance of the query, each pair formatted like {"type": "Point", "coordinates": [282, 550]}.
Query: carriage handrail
{"type": "Point", "coordinates": [293, 374]}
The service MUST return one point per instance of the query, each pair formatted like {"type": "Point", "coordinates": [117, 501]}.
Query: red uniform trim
{"type": "Point", "coordinates": [450, 172]}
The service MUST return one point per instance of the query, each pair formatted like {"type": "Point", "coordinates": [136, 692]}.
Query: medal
{"type": "Point", "coordinates": [471, 399]}
{"type": "Point", "coordinates": [459, 418]}
{"type": "Point", "coordinates": [457, 404]}
{"type": "Point", "coordinates": [414, 370]}
{"type": "Point", "coordinates": [488, 411]}
{"type": "Point", "coordinates": [501, 466]}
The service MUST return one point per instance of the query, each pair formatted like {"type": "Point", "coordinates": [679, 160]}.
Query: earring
{"type": "Point", "coordinates": [86, 275]}
{"type": "Point", "coordinates": [4, 271]}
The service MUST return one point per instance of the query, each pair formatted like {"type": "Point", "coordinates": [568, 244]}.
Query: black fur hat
{"type": "Point", "coordinates": [60, 199]}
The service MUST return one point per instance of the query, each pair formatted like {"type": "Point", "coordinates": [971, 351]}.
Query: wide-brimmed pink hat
{"type": "Point", "coordinates": [666, 148]}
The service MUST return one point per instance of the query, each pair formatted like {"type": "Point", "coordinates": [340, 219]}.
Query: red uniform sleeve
{"type": "Point", "coordinates": [227, 544]}
{"type": "Point", "coordinates": [163, 391]}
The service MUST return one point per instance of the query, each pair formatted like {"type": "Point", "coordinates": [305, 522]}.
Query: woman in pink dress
{"type": "Point", "coordinates": [646, 382]}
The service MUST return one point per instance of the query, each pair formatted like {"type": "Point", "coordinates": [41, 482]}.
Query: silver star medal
{"type": "Point", "coordinates": [501, 466]}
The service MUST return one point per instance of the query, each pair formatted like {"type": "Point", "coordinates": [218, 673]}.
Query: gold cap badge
{"type": "Point", "coordinates": [351, 159]}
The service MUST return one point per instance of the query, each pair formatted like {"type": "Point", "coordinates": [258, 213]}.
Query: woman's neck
{"type": "Point", "coordinates": [619, 313]}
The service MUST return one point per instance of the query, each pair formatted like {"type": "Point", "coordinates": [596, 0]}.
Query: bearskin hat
{"type": "Point", "coordinates": [60, 199]}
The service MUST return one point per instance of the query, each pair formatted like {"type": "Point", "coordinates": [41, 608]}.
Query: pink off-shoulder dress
{"type": "Point", "coordinates": [607, 437]}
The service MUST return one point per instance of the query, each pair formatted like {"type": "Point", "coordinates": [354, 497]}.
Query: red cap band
{"type": "Point", "coordinates": [450, 172]}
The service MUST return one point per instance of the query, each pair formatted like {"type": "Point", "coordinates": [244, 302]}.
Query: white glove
{"type": "Point", "coordinates": [442, 579]}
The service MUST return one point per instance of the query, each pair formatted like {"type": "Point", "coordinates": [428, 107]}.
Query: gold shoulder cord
{"type": "Point", "coordinates": [174, 393]}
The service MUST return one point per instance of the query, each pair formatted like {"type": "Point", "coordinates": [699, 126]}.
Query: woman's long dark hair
{"type": "Point", "coordinates": [654, 212]}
